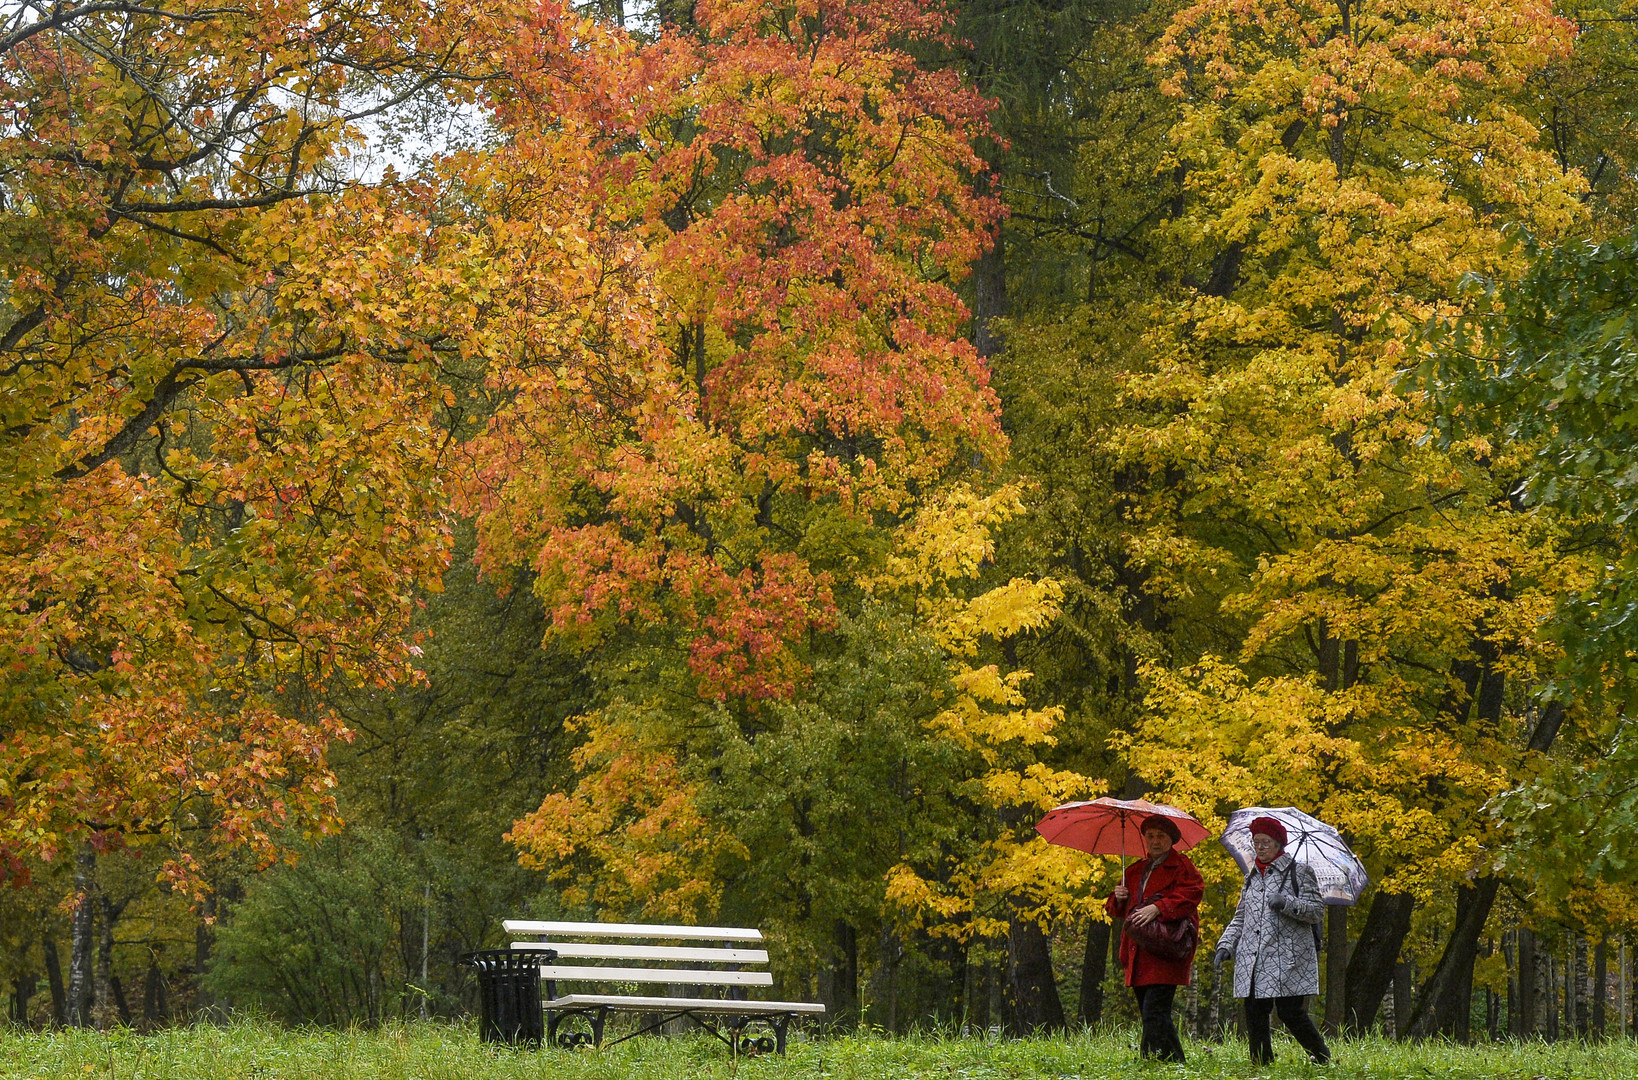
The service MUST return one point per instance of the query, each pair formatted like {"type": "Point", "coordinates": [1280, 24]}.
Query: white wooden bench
{"type": "Point", "coordinates": [718, 957]}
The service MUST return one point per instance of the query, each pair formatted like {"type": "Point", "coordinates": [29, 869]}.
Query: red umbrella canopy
{"type": "Point", "coordinates": [1113, 826]}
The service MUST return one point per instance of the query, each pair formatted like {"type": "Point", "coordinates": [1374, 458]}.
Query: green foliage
{"type": "Point", "coordinates": [1548, 365]}
{"type": "Point", "coordinates": [315, 942]}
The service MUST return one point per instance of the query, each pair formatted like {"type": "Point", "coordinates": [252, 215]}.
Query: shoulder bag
{"type": "Point", "coordinates": [1169, 939]}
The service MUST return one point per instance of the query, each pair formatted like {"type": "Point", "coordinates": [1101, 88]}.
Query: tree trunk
{"type": "Point", "coordinates": [106, 1011]}
{"type": "Point", "coordinates": [1446, 1007]}
{"type": "Point", "coordinates": [1336, 968]}
{"type": "Point", "coordinates": [1526, 1023]}
{"type": "Point", "coordinates": [23, 986]}
{"type": "Point", "coordinates": [1095, 965]}
{"type": "Point", "coordinates": [989, 298]}
{"type": "Point", "coordinates": [204, 935]}
{"type": "Point", "coordinates": [54, 980]}
{"type": "Point", "coordinates": [122, 1008]}
{"type": "Point", "coordinates": [1371, 965]}
{"type": "Point", "coordinates": [843, 977]}
{"type": "Point", "coordinates": [155, 1009]}
{"type": "Point", "coordinates": [1601, 978]}
{"type": "Point", "coordinates": [1578, 986]}
{"type": "Point", "coordinates": [81, 958]}
{"type": "Point", "coordinates": [1402, 1003]}
{"type": "Point", "coordinates": [1035, 1003]}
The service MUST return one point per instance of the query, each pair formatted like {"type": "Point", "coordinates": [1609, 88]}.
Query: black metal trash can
{"type": "Point", "coordinates": [509, 996]}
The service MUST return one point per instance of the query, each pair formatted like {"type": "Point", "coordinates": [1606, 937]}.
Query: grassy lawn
{"type": "Point", "coordinates": [435, 1052]}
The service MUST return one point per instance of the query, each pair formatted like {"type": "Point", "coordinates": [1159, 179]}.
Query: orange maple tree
{"type": "Point", "coordinates": [694, 494]}
{"type": "Point", "coordinates": [219, 358]}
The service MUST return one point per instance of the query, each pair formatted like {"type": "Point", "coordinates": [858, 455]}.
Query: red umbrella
{"type": "Point", "coordinates": [1113, 826]}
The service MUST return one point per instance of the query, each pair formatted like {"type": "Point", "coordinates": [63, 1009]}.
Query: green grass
{"type": "Point", "coordinates": [436, 1052]}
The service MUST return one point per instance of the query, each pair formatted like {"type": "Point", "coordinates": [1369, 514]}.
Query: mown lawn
{"type": "Point", "coordinates": [436, 1052]}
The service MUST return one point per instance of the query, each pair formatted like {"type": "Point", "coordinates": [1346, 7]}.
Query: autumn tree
{"type": "Point", "coordinates": [701, 513]}
{"type": "Point", "coordinates": [229, 336]}
{"type": "Point", "coordinates": [1368, 605]}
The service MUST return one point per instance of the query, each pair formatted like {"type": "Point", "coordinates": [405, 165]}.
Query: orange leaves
{"type": "Point", "coordinates": [221, 425]}
{"type": "Point", "coordinates": [761, 364]}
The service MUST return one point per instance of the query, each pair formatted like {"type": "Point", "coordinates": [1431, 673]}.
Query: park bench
{"type": "Point", "coordinates": [717, 956]}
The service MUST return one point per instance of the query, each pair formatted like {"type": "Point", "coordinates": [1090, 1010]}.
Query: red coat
{"type": "Point", "coordinates": [1176, 888]}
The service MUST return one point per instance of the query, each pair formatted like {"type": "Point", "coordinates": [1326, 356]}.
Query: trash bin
{"type": "Point", "coordinates": [509, 1007]}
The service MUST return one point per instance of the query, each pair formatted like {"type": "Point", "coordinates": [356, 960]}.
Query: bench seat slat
{"type": "Point", "coordinates": [661, 1004]}
{"type": "Point", "coordinates": [679, 976]}
{"type": "Point", "coordinates": [637, 930]}
{"type": "Point", "coordinates": [593, 950]}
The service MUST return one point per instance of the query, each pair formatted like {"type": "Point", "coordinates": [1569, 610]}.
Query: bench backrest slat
{"type": "Point", "coordinates": [596, 950]}
{"type": "Point", "coordinates": [634, 930]}
{"type": "Point", "coordinates": [679, 976]}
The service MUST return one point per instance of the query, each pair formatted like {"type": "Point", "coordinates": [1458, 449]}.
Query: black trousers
{"type": "Point", "coordinates": [1159, 1033]}
{"type": "Point", "coordinates": [1294, 1015]}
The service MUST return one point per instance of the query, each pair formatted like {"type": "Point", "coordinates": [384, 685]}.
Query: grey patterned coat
{"type": "Point", "coordinates": [1274, 953]}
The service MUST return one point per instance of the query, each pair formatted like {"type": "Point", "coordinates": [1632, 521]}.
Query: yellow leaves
{"type": "Point", "coordinates": [631, 836]}
{"type": "Point", "coordinates": [949, 539]}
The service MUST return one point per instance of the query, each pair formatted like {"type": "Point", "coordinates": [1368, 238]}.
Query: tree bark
{"type": "Point", "coordinates": [54, 980]}
{"type": "Point", "coordinates": [23, 985]}
{"type": "Point", "coordinates": [204, 935]}
{"type": "Point", "coordinates": [1336, 968]}
{"type": "Point", "coordinates": [81, 958]}
{"type": "Point", "coordinates": [1446, 1007]}
{"type": "Point", "coordinates": [1402, 1003]}
{"type": "Point", "coordinates": [843, 977]}
{"type": "Point", "coordinates": [1035, 1003]}
{"type": "Point", "coordinates": [989, 298]}
{"type": "Point", "coordinates": [1095, 965]}
{"type": "Point", "coordinates": [155, 1009]}
{"type": "Point", "coordinates": [106, 1011]}
{"type": "Point", "coordinates": [1371, 965]}
{"type": "Point", "coordinates": [1523, 1024]}
{"type": "Point", "coordinates": [1601, 977]}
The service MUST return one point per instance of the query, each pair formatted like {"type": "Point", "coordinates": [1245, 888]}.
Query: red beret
{"type": "Point", "coordinates": [1268, 827]}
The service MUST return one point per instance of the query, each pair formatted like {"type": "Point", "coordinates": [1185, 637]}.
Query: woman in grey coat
{"type": "Point", "coordinates": [1272, 942]}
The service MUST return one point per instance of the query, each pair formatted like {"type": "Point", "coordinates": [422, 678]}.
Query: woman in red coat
{"type": "Point", "coordinates": [1163, 886]}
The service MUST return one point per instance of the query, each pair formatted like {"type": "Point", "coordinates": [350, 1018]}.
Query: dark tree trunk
{"type": "Point", "coordinates": [989, 298]}
{"type": "Point", "coordinates": [82, 957]}
{"type": "Point", "coordinates": [22, 989]}
{"type": "Point", "coordinates": [155, 1009]}
{"type": "Point", "coordinates": [54, 980]}
{"type": "Point", "coordinates": [1578, 998]}
{"type": "Point", "coordinates": [204, 936]}
{"type": "Point", "coordinates": [1601, 974]}
{"type": "Point", "coordinates": [1522, 1022]}
{"type": "Point", "coordinates": [1336, 967]}
{"type": "Point", "coordinates": [842, 1005]}
{"type": "Point", "coordinates": [1035, 1003]}
{"type": "Point", "coordinates": [122, 1008]}
{"type": "Point", "coordinates": [107, 1007]}
{"type": "Point", "coordinates": [1446, 1007]}
{"type": "Point", "coordinates": [1371, 966]}
{"type": "Point", "coordinates": [1402, 1002]}
{"type": "Point", "coordinates": [1096, 964]}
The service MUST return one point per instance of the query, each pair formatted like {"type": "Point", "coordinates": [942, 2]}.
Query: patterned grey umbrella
{"type": "Point", "coordinates": [1310, 841]}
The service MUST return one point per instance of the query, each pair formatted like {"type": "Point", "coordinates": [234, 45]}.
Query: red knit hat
{"type": "Point", "coordinates": [1268, 827]}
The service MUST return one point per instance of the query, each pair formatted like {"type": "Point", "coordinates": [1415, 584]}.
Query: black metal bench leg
{"type": "Point", "coordinates": [779, 1024]}
{"type": "Point", "coordinates": [597, 1025]}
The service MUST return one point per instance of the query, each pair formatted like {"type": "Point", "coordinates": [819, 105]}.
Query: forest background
{"type": "Point", "coordinates": [744, 461]}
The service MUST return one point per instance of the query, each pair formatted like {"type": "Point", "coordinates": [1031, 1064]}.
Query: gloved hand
{"type": "Point", "coordinates": [1222, 956]}
{"type": "Point", "coordinates": [1278, 901]}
